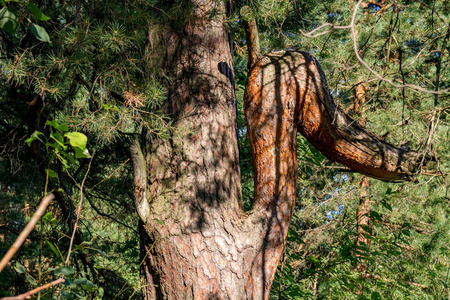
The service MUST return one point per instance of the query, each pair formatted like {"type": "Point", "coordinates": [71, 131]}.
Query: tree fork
{"type": "Point", "coordinates": [206, 246]}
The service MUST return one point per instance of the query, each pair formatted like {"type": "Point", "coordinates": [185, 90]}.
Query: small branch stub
{"type": "Point", "coordinates": [251, 34]}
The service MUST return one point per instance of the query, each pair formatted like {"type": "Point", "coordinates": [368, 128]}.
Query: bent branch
{"type": "Point", "coordinates": [287, 92]}
{"type": "Point", "coordinates": [322, 122]}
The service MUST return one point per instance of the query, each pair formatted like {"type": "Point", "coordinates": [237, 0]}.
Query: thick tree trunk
{"type": "Point", "coordinates": [197, 243]}
{"type": "Point", "coordinates": [193, 227]}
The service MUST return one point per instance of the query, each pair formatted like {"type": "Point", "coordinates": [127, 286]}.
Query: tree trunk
{"type": "Point", "coordinates": [362, 217]}
{"type": "Point", "coordinates": [197, 242]}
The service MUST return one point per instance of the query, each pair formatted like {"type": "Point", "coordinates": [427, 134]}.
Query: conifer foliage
{"type": "Point", "coordinates": [120, 109]}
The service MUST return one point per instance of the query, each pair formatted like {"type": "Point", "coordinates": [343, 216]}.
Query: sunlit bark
{"type": "Point", "coordinates": [197, 242]}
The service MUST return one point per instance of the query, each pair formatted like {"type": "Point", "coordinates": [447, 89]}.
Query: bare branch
{"type": "Point", "coordinates": [312, 35]}
{"type": "Point", "coordinates": [26, 231]}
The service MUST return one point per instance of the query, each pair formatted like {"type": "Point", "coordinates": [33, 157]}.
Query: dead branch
{"type": "Point", "coordinates": [26, 231]}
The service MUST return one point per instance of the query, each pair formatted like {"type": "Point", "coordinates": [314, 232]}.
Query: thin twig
{"type": "Point", "coordinates": [90, 190]}
{"type": "Point", "coordinates": [78, 210]}
{"type": "Point", "coordinates": [26, 231]}
{"type": "Point", "coordinates": [312, 35]}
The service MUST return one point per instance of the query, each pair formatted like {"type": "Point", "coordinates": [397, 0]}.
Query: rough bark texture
{"type": "Point", "coordinates": [197, 243]}
{"type": "Point", "coordinates": [362, 212]}
{"type": "Point", "coordinates": [296, 77]}
{"type": "Point", "coordinates": [193, 180]}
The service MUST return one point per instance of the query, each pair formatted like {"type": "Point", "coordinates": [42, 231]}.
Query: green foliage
{"type": "Point", "coordinates": [9, 20]}
{"type": "Point", "coordinates": [99, 84]}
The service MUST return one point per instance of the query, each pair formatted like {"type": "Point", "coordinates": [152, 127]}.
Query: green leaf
{"type": "Point", "coordinates": [406, 232]}
{"type": "Point", "coordinates": [56, 125]}
{"type": "Point", "coordinates": [9, 20]}
{"type": "Point", "coordinates": [34, 136]}
{"type": "Point", "coordinates": [88, 285]}
{"type": "Point", "coordinates": [77, 140]}
{"type": "Point", "coordinates": [386, 205]}
{"type": "Point", "coordinates": [55, 250]}
{"type": "Point", "coordinates": [19, 268]}
{"type": "Point", "coordinates": [31, 280]}
{"type": "Point", "coordinates": [112, 107]}
{"type": "Point", "coordinates": [37, 13]}
{"type": "Point", "coordinates": [69, 157]}
{"type": "Point", "coordinates": [81, 153]}
{"type": "Point", "coordinates": [64, 271]}
{"type": "Point", "coordinates": [59, 139]}
{"type": "Point", "coordinates": [51, 173]}
{"type": "Point", "coordinates": [40, 33]}
{"type": "Point", "coordinates": [80, 280]}
{"type": "Point", "coordinates": [375, 216]}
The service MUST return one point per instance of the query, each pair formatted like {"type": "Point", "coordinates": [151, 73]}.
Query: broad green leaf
{"type": "Point", "coordinates": [81, 153]}
{"type": "Point", "coordinates": [77, 140]}
{"type": "Point", "coordinates": [88, 285]}
{"type": "Point", "coordinates": [64, 271]}
{"type": "Point", "coordinates": [56, 125]}
{"type": "Point", "coordinates": [80, 280]}
{"type": "Point", "coordinates": [40, 33]}
{"type": "Point", "coordinates": [9, 20]}
{"type": "Point", "coordinates": [34, 136]}
{"type": "Point", "coordinates": [51, 173]}
{"type": "Point", "coordinates": [37, 13]}
{"type": "Point", "coordinates": [20, 268]}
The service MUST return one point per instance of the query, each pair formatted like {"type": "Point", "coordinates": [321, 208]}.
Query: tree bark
{"type": "Point", "coordinates": [362, 217]}
{"type": "Point", "coordinates": [197, 242]}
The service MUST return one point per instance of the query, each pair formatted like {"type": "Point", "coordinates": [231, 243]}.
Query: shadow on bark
{"type": "Point", "coordinates": [287, 91]}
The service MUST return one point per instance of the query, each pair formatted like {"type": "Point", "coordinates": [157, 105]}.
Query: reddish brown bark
{"type": "Point", "coordinates": [362, 212]}
{"type": "Point", "coordinates": [196, 240]}
{"type": "Point", "coordinates": [297, 78]}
